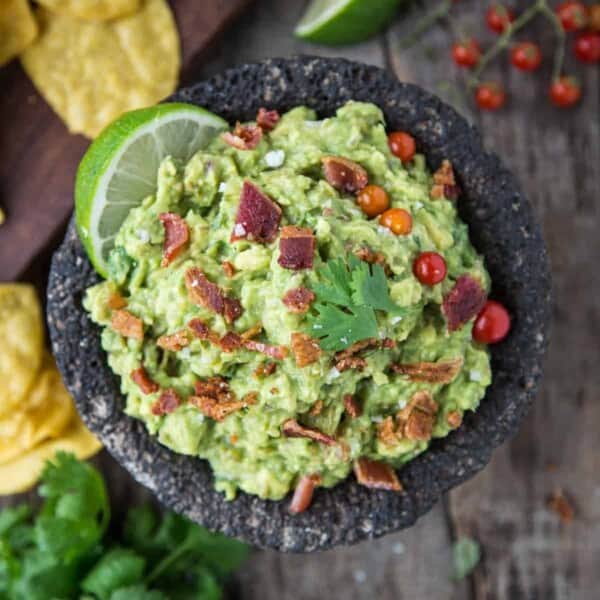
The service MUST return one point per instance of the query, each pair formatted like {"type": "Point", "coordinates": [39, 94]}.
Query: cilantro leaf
{"type": "Point", "coordinates": [370, 288]}
{"type": "Point", "coordinates": [337, 289]}
{"type": "Point", "coordinates": [337, 329]}
{"type": "Point", "coordinates": [11, 517]}
{"type": "Point", "coordinates": [118, 568]}
{"type": "Point", "coordinates": [137, 592]}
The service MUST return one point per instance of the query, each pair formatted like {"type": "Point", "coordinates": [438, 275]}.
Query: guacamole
{"type": "Point", "coordinates": [261, 318]}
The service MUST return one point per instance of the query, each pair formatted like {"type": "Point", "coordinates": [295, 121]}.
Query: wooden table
{"type": "Point", "coordinates": [528, 552]}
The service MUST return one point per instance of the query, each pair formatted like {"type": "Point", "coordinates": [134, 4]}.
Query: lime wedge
{"type": "Point", "coordinates": [336, 22]}
{"type": "Point", "coordinates": [119, 169]}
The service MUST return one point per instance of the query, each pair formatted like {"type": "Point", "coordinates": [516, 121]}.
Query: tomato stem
{"type": "Point", "coordinates": [424, 24]}
{"type": "Point", "coordinates": [559, 32]}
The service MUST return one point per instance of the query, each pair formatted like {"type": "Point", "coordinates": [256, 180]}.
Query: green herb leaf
{"type": "Point", "coordinates": [336, 288]}
{"type": "Point", "coordinates": [466, 554]}
{"type": "Point", "coordinates": [118, 568]}
{"type": "Point", "coordinates": [13, 516]}
{"type": "Point", "coordinates": [137, 592]}
{"type": "Point", "coordinates": [370, 288]}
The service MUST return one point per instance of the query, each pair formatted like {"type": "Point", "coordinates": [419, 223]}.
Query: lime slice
{"type": "Point", "coordinates": [336, 22]}
{"type": "Point", "coordinates": [119, 169]}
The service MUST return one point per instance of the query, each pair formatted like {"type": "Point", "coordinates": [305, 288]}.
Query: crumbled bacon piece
{"type": "Point", "coordinates": [267, 119]}
{"type": "Point", "coordinates": [265, 369]}
{"type": "Point", "coordinates": [116, 301]}
{"type": "Point", "coordinates": [228, 269]}
{"type": "Point", "coordinates": [347, 359]}
{"type": "Point", "coordinates": [373, 258]}
{"type": "Point", "coordinates": [202, 331]}
{"type": "Point", "coordinates": [205, 293]}
{"type": "Point", "coordinates": [291, 428]}
{"type": "Point", "coordinates": [375, 474]}
{"type": "Point", "coordinates": [128, 325]}
{"type": "Point", "coordinates": [252, 332]}
{"type": "Point", "coordinates": [418, 418]}
{"type": "Point", "coordinates": [296, 248]}
{"type": "Point", "coordinates": [454, 419]}
{"type": "Point", "coordinates": [243, 137]}
{"type": "Point", "coordinates": [386, 432]}
{"type": "Point", "coordinates": [303, 493]}
{"type": "Point", "coordinates": [316, 409]}
{"type": "Point", "coordinates": [174, 342]}
{"type": "Point", "coordinates": [352, 405]}
{"type": "Point", "coordinates": [276, 352]}
{"type": "Point", "coordinates": [257, 218]}
{"type": "Point", "coordinates": [141, 378]}
{"type": "Point", "coordinates": [177, 236]}
{"type": "Point", "coordinates": [444, 182]}
{"type": "Point", "coordinates": [355, 363]}
{"type": "Point", "coordinates": [230, 341]}
{"type": "Point", "coordinates": [215, 387]}
{"type": "Point", "coordinates": [464, 302]}
{"type": "Point", "coordinates": [561, 505]}
{"type": "Point", "coordinates": [306, 350]}
{"type": "Point", "coordinates": [388, 343]}
{"type": "Point", "coordinates": [344, 175]}
{"type": "Point", "coordinates": [421, 400]}
{"type": "Point", "coordinates": [299, 299]}
{"type": "Point", "coordinates": [167, 402]}
{"type": "Point", "coordinates": [442, 371]}
{"type": "Point", "coordinates": [218, 410]}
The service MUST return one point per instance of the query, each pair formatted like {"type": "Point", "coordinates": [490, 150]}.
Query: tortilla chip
{"type": "Point", "coordinates": [22, 473]}
{"type": "Point", "coordinates": [90, 73]}
{"type": "Point", "coordinates": [21, 343]}
{"type": "Point", "coordinates": [45, 412]}
{"type": "Point", "coordinates": [17, 28]}
{"type": "Point", "coordinates": [92, 10]}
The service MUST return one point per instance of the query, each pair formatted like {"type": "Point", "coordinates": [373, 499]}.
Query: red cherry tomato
{"type": "Point", "coordinates": [587, 47]}
{"type": "Point", "coordinates": [573, 15]}
{"type": "Point", "coordinates": [402, 145]}
{"type": "Point", "coordinates": [498, 17]}
{"type": "Point", "coordinates": [565, 91]}
{"type": "Point", "coordinates": [467, 53]}
{"type": "Point", "coordinates": [429, 268]}
{"type": "Point", "coordinates": [526, 56]}
{"type": "Point", "coordinates": [492, 323]}
{"type": "Point", "coordinates": [490, 96]}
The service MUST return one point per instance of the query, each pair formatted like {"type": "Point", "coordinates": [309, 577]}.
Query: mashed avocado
{"type": "Point", "coordinates": [383, 399]}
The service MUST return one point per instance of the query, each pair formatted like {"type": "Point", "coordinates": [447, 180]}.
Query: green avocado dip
{"type": "Point", "coordinates": [259, 318]}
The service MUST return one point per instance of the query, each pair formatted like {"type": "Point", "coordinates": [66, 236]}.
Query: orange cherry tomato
{"type": "Point", "coordinates": [402, 145]}
{"type": "Point", "coordinates": [397, 220]}
{"type": "Point", "coordinates": [373, 200]}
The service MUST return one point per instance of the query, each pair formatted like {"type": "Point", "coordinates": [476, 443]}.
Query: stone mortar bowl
{"type": "Point", "coordinates": [502, 228]}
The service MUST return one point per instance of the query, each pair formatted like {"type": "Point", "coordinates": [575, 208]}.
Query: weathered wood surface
{"type": "Point", "coordinates": [528, 553]}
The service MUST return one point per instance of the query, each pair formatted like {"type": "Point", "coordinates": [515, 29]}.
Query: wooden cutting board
{"type": "Point", "coordinates": [38, 156]}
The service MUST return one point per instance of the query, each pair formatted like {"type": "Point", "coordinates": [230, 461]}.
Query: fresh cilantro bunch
{"type": "Point", "coordinates": [65, 552]}
{"type": "Point", "coordinates": [347, 299]}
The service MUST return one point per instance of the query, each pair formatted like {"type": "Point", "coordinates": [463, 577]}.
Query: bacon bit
{"type": "Point", "coordinates": [347, 359]}
{"type": "Point", "coordinates": [316, 409]}
{"type": "Point", "coordinates": [299, 299]}
{"type": "Point", "coordinates": [141, 378]}
{"type": "Point", "coordinates": [202, 331]}
{"type": "Point", "coordinates": [167, 402]}
{"type": "Point", "coordinates": [375, 474]}
{"type": "Point", "coordinates": [128, 325]}
{"type": "Point", "coordinates": [444, 182]}
{"type": "Point", "coordinates": [352, 405]}
{"type": "Point", "coordinates": [306, 350]}
{"type": "Point", "coordinates": [291, 428]}
{"type": "Point", "coordinates": [454, 419]}
{"type": "Point", "coordinates": [344, 175]}
{"type": "Point", "coordinates": [252, 332]}
{"type": "Point", "coordinates": [258, 216]}
{"type": "Point", "coordinates": [303, 494]}
{"type": "Point", "coordinates": [561, 505]}
{"type": "Point", "coordinates": [356, 363]}
{"type": "Point", "coordinates": [177, 236]}
{"type": "Point", "coordinates": [205, 293]}
{"type": "Point", "coordinates": [174, 342]}
{"type": "Point", "coordinates": [230, 341]}
{"type": "Point", "coordinates": [214, 387]}
{"type": "Point", "coordinates": [243, 137]}
{"type": "Point", "coordinates": [265, 369]}
{"type": "Point", "coordinates": [116, 301]}
{"type": "Point", "coordinates": [218, 410]}
{"type": "Point", "coordinates": [420, 417]}
{"type": "Point", "coordinates": [388, 343]}
{"type": "Point", "coordinates": [386, 432]}
{"type": "Point", "coordinates": [228, 269]}
{"type": "Point", "coordinates": [464, 302]}
{"type": "Point", "coordinates": [276, 352]}
{"type": "Point", "coordinates": [421, 400]}
{"type": "Point", "coordinates": [267, 119]}
{"type": "Point", "coordinates": [296, 248]}
{"type": "Point", "coordinates": [373, 258]}
{"type": "Point", "coordinates": [442, 371]}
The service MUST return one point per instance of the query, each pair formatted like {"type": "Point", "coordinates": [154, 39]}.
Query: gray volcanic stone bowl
{"type": "Point", "coordinates": [502, 228]}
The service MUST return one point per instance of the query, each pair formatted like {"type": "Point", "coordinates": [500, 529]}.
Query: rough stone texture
{"type": "Point", "coordinates": [502, 228]}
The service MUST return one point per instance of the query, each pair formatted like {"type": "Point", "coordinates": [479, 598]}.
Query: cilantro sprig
{"type": "Point", "coordinates": [66, 551]}
{"type": "Point", "coordinates": [348, 295]}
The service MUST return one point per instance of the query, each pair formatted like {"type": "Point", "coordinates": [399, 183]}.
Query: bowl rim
{"type": "Point", "coordinates": [502, 228]}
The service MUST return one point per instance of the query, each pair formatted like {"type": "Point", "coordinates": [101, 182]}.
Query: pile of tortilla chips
{"type": "Point", "coordinates": [37, 415]}
{"type": "Point", "coordinates": [92, 60]}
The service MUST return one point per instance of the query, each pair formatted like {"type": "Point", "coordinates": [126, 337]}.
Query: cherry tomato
{"type": "Point", "coordinates": [492, 323]}
{"type": "Point", "coordinates": [402, 145]}
{"type": "Point", "coordinates": [467, 53]}
{"type": "Point", "coordinates": [594, 17]}
{"type": "Point", "coordinates": [565, 91]}
{"type": "Point", "coordinates": [429, 268]}
{"type": "Point", "coordinates": [572, 15]}
{"type": "Point", "coordinates": [490, 96]}
{"type": "Point", "coordinates": [587, 47]}
{"type": "Point", "coordinates": [373, 200]}
{"type": "Point", "coordinates": [526, 56]}
{"type": "Point", "coordinates": [397, 220]}
{"type": "Point", "coordinates": [498, 17]}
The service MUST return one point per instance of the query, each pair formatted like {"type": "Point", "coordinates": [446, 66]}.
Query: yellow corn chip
{"type": "Point", "coordinates": [17, 28]}
{"type": "Point", "coordinates": [21, 343]}
{"type": "Point", "coordinates": [90, 73]}
{"type": "Point", "coordinates": [22, 473]}
{"type": "Point", "coordinates": [92, 10]}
